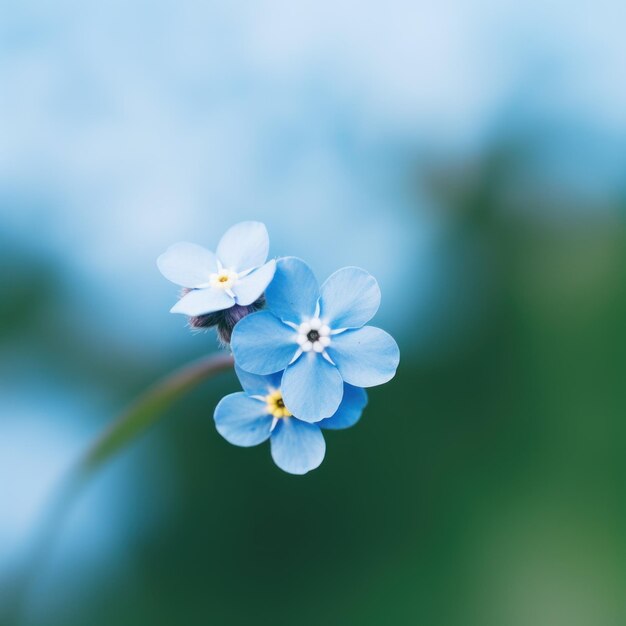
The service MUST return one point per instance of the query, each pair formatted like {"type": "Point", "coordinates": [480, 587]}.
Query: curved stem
{"type": "Point", "coordinates": [133, 422]}
{"type": "Point", "coordinates": [149, 407]}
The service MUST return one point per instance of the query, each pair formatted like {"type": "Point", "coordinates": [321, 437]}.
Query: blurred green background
{"type": "Point", "coordinates": [483, 486]}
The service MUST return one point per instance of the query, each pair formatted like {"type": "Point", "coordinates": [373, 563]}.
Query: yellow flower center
{"type": "Point", "coordinates": [276, 406]}
{"type": "Point", "coordinates": [224, 279]}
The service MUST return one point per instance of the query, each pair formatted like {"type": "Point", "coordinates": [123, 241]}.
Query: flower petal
{"type": "Point", "coordinates": [365, 357]}
{"type": "Point", "coordinates": [244, 246]}
{"type": "Point", "coordinates": [250, 288]}
{"type": "Point", "coordinates": [187, 264]}
{"type": "Point", "coordinates": [294, 292]}
{"type": "Point", "coordinates": [297, 447]}
{"type": "Point", "coordinates": [312, 388]}
{"type": "Point", "coordinates": [262, 344]}
{"type": "Point", "coordinates": [349, 298]}
{"type": "Point", "coordinates": [203, 301]}
{"type": "Point", "coordinates": [349, 411]}
{"type": "Point", "coordinates": [257, 385]}
{"type": "Point", "coordinates": [242, 421]}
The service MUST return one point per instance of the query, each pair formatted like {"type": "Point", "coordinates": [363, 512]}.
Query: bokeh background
{"type": "Point", "coordinates": [472, 156]}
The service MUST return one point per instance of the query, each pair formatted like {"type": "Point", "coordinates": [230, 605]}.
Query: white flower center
{"type": "Point", "coordinates": [224, 279]}
{"type": "Point", "coordinates": [313, 335]}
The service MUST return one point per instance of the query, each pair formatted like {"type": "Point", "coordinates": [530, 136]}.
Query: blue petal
{"type": "Point", "coordinates": [294, 292]}
{"type": "Point", "coordinates": [349, 411]}
{"type": "Point", "coordinates": [247, 290]}
{"type": "Point", "coordinates": [256, 385]}
{"type": "Point", "coordinates": [349, 298]}
{"type": "Point", "coordinates": [297, 447]}
{"type": "Point", "coordinates": [187, 264]}
{"type": "Point", "coordinates": [262, 344]}
{"type": "Point", "coordinates": [242, 421]}
{"type": "Point", "coordinates": [244, 246]}
{"type": "Point", "coordinates": [203, 301]}
{"type": "Point", "coordinates": [312, 388]}
{"type": "Point", "coordinates": [365, 357]}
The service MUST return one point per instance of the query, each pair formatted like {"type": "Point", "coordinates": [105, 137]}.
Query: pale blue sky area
{"type": "Point", "coordinates": [127, 126]}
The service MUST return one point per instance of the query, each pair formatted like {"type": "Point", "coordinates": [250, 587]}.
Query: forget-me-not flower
{"type": "Point", "coordinates": [318, 337]}
{"type": "Point", "coordinates": [236, 275]}
{"type": "Point", "coordinates": [258, 413]}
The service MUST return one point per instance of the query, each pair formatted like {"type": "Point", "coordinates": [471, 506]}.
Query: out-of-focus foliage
{"type": "Point", "coordinates": [483, 486]}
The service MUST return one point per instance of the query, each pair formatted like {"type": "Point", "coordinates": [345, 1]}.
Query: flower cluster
{"type": "Point", "coordinates": [303, 361]}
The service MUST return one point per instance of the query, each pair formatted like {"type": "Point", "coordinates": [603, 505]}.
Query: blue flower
{"type": "Point", "coordinates": [237, 274]}
{"type": "Point", "coordinates": [258, 413]}
{"type": "Point", "coordinates": [318, 337]}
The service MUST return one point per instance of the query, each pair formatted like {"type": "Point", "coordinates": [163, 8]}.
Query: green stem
{"type": "Point", "coordinates": [132, 423]}
{"type": "Point", "coordinates": [149, 407]}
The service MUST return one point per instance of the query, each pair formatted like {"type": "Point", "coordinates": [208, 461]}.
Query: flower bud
{"type": "Point", "coordinates": [224, 321]}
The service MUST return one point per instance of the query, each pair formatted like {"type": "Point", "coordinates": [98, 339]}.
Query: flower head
{"type": "Point", "coordinates": [236, 275]}
{"type": "Point", "coordinates": [259, 413]}
{"type": "Point", "coordinates": [318, 337]}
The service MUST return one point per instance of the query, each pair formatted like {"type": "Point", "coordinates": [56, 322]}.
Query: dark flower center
{"type": "Point", "coordinates": [313, 336]}
{"type": "Point", "coordinates": [280, 404]}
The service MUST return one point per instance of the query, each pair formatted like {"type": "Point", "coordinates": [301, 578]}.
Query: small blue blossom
{"type": "Point", "coordinates": [258, 413]}
{"type": "Point", "coordinates": [318, 337]}
{"type": "Point", "coordinates": [236, 275]}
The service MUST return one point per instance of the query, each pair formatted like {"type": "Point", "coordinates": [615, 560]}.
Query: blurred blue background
{"type": "Point", "coordinates": [472, 156]}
